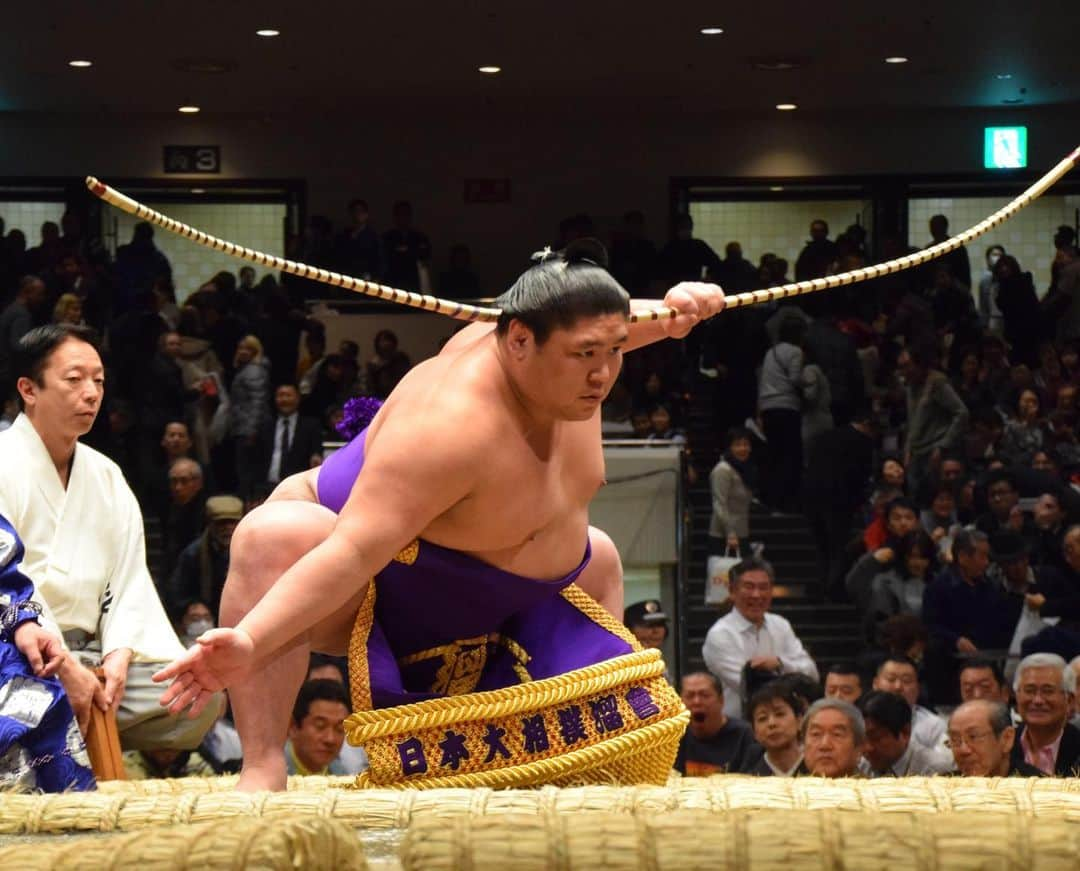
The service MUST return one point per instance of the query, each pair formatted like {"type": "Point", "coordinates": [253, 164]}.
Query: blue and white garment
{"type": "Point", "coordinates": [40, 743]}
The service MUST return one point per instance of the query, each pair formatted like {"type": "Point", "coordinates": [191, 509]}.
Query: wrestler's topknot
{"type": "Point", "coordinates": [563, 287]}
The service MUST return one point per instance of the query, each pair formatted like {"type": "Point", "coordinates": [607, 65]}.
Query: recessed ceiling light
{"type": "Point", "coordinates": [1003, 76]}
{"type": "Point", "coordinates": [896, 59]}
{"type": "Point", "coordinates": [80, 63]}
{"type": "Point", "coordinates": [490, 70]}
{"type": "Point", "coordinates": [786, 107]}
{"type": "Point", "coordinates": [198, 190]}
{"type": "Point", "coordinates": [711, 31]}
{"type": "Point", "coordinates": [776, 187]}
{"type": "Point", "coordinates": [268, 32]}
{"type": "Point", "coordinates": [188, 110]}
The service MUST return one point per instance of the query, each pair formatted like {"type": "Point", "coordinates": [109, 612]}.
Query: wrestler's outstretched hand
{"type": "Point", "coordinates": [695, 301]}
{"type": "Point", "coordinates": [218, 659]}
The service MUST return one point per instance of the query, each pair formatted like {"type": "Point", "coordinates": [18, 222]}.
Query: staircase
{"type": "Point", "coordinates": [830, 632]}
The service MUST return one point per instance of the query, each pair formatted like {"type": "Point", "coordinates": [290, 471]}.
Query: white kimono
{"type": "Point", "coordinates": [85, 546]}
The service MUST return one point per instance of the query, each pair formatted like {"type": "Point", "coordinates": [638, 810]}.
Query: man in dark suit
{"type": "Point", "coordinates": [289, 443]}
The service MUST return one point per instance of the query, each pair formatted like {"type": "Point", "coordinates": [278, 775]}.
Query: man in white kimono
{"type": "Point", "coordinates": [85, 548]}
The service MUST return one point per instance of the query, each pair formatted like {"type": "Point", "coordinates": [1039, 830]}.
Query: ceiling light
{"type": "Point", "coordinates": [80, 63]}
{"type": "Point", "coordinates": [896, 59]}
{"type": "Point", "coordinates": [268, 32]}
{"type": "Point", "coordinates": [711, 31]}
{"type": "Point", "coordinates": [188, 110]}
{"type": "Point", "coordinates": [490, 70]}
{"type": "Point", "coordinates": [1003, 76]}
{"type": "Point", "coordinates": [776, 187]}
{"type": "Point", "coordinates": [1012, 101]}
{"type": "Point", "coordinates": [786, 107]}
{"type": "Point", "coordinates": [198, 190]}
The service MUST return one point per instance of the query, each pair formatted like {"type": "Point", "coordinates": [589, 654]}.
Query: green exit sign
{"type": "Point", "coordinates": [1005, 147]}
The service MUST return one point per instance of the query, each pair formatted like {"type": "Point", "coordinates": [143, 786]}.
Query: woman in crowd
{"type": "Point", "coordinates": [68, 310]}
{"type": "Point", "coordinates": [900, 589]}
{"type": "Point", "coordinates": [387, 365]}
{"type": "Point", "coordinates": [249, 408]}
{"type": "Point", "coordinates": [733, 482]}
{"type": "Point", "coordinates": [1024, 433]}
{"type": "Point", "coordinates": [774, 713]}
{"type": "Point", "coordinates": [969, 383]}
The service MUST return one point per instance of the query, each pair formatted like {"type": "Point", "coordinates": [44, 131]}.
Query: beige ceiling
{"type": "Point", "coordinates": [342, 57]}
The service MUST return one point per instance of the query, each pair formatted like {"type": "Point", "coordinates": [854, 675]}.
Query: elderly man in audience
{"type": "Point", "coordinates": [843, 682]}
{"type": "Point", "coordinates": [85, 551]}
{"type": "Point", "coordinates": [898, 675]}
{"type": "Point", "coordinates": [714, 743]}
{"type": "Point", "coordinates": [834, 736]}
{"type": "Point", "coordinates": [889, 750]}
{"type": "Point", "coordinates": [204, 564]}
{"type": "Point", "coordinates": [1045, 689]}
{"type": "Point", "coordinates": [752, 636]}
{"type": "Point", "coordinates": [185, 517]}
{"type": "Point", "coordinates": [964, 612]}
{"type": "Point", "coordinates": [981, 736]}
{"type": "Point", "coordinates": [774, 712]}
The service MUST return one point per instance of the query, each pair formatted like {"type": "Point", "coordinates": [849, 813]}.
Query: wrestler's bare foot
{"type": "Point", "coordinates": [267, 775]}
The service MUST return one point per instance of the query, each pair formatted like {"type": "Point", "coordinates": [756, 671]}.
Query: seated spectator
{"type": "Point", "coordinates": [843, 682]}
{"type": "Point", "coordinates": [1058, 595]}
{"type": "Point", "coordinates": [40, 744]}
{"type": "Point", "coordinates": [1049, 521]}
{"type": "Point", "coordinates": [774, 713]}
{"type": "Point", "coordinates": [68, 309]}
{"type": "Point", "coordinates": [662, 427]}
{"type": "Point", "coordinates": [898, 675]}
{"type": "Point", "coordinates": [317, 729]}
{"type": "Point", "coordinates": [940, 517]}
{"type": "Point", "coordinates": [1045, 690]}
{"type": "Point", "coordinates": [641, 423]}
{"type": "Point", "coordinates": [752, 636]}
{"type": "Point", "coordinates": [194, 619]}
{"type": "Point", "coordinates": [733, 482]}
{"type": "Point", "coordinates": [983, 679]}
{"type": "Point", "coordinates": [203, 565]}
{"type": "Point", "coordinates": [834, 736]}
{"type": "Point", "coordinates": [897, 518]}
{"type": "Point", "coordinates": [1003, 499]}
{"type": "Point", "coordinates": [900, 589]}
{"type": "Point", "coordinates": [387, 366]}
{"type": "Point", "coordinates": [176, 445]}
{"type": "Point", "coordinates": [963, 611]}
{"type": "Point", "coordinates": [970, 384]}
{"type": "Point", "coordinates": [16, 320]}
{"type": "Point", "coordinates": [288, 442]}
{"type": "Point", "coordinates": [184, 518]}
{"type": "Point", "coordinates": [648, 622]}
{"type": "Point", "coordinates": [1011, 571]}
{"type": "Point", "coordinates": [1024, 433]}
{"type": "Point", "coordinates": [714, 743]}
{"type": "Point", "coordinates": [899, 522]}
{"type": "Point", "coordinates": [164, 763]}
{"type": "Point", "coordinates": [352, 759]}
{"type": "Point", "coordinates": [982, 738]}
{"type": "Point", "coordinates": [889, 750]}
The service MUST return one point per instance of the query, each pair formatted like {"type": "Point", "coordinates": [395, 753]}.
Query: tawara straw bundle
{"type": "Point", "coordinates": [807, 840]}
{"type": "Point", "coordinates": [143, 804]}
{"type": "Point", "coordinates": [308, 843]}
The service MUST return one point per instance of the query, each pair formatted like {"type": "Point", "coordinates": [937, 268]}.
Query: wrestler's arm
{"type": "Point", "coordinates": [694, 300]}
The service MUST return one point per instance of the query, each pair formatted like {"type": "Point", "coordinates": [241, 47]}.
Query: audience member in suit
{"type": "Point", "coordinates": [290, 443]}
{"type": "Point", "coordinates": [185, 519]}
{"type": "Point", "coordinates": [1045, 687]}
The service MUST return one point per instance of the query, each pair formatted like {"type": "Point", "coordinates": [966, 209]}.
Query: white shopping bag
{"type": "Point", "coordinates": [717, 568]}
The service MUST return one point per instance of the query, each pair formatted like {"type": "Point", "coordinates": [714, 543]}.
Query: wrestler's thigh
{"type": "Point", "coordinates": [603, 576]}
{"type": "Point", "coordinates": [276, 534]}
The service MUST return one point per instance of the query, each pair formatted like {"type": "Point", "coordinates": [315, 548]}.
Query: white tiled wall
{"type": "Point", "coordinates": [780, 227]}
{"type": "Point", "coordinates": [1028, 236]}
{"type": "Point", "coordinates": [260, 226]}
{"type": "Point", "coordinates": [29, 217]}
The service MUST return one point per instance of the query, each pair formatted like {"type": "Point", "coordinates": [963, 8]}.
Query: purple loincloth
{"type": "Point", "coordinates": [445, 623]}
